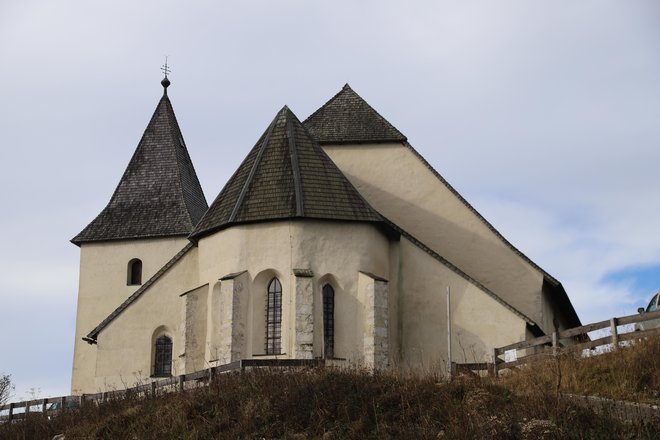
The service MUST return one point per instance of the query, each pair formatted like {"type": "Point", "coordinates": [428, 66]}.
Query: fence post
{"type": "Point", "coordinates": [495, 362]}
{"type": "Point", "coordinates": [615, 334]}
{"type": "Point", "coordinates": [153, 389]}
{"type": "Point", "coordinates": [27, 408]}
{"type": "Point", "coordinates": [181, 381]}
{"type": "Point", "coordinates": [555, 343]}
{"type": "Point", "coordinates": [11, 411]}
{"type": "Point", "coordinates": [62, 402]}
{"type": "Point", "coordinates": [43, 405]}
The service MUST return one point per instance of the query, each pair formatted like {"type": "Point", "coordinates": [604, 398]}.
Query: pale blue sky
{"type": "Point", "coordinates": [544, 115]}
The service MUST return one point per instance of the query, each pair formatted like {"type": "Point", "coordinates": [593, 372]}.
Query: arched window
{"type": "Point", "coordinates": [134, 272]}
{"type": "Point", "coordinates": [329, 321]}
{"type": "Point", "coordinates": [274, 318]}
{"type": "Point", "coordinates": [163, 356]}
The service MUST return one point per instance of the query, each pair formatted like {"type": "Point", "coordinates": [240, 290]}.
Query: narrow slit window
{"type": "Point", "coordinates": [163, 357]}
{"type": "Point", "coordinates": [329, 321]}
{"type": "Point", "coordinates": [134, 272]}
{"type": "Point", "coordinates": [274, 318]}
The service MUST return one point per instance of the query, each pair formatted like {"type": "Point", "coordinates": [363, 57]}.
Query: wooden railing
{"type": "Point", "coordinates": [544, 346]}
{"type": "Point", "coordinates": [45, 406]}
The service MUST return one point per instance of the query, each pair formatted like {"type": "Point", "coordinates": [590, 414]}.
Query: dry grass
{"type": "Point", "coordinates": [631, 374]}
{"type": "Point", "coordinates": [329, 404]}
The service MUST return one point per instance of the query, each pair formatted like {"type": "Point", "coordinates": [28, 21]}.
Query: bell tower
{"type": "Point", "coordinates": [154, 208]}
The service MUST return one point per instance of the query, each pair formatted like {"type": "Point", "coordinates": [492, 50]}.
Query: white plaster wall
{"type": "Point", "coordinates": [479, 322]}
{"type": "Point", "coordinates": [396, 182]}
{"type": "Point", "coordinates": [102, 287]}
{"type": "Point", "coordinates": [125, 348]}
{"type": "Point", "coordinates": [329, 249]}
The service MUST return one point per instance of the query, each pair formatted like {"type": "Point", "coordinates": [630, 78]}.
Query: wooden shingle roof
{"type": "Point", "coordinates": [159, 194]}
{"type": "Point", "coordinates": [286, 175]}
{"type": "Point", "coordinates": [347, 118]}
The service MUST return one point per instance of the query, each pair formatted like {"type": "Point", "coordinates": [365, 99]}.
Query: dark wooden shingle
{"type": "Point", "coordinates": [159, 194]}
{"type": "Point", "coordinates": [286, 175]}
{"type": "Point", "coordinates": [347, 118]}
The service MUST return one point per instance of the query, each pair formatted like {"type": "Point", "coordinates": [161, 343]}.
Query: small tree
{"type": "Point", "coordinates": [6, 388]}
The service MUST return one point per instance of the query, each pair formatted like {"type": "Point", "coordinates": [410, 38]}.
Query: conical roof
{"type": "Point", "coordinates": [286, 175]}
{"type": "Point", "coordinates": [347, 118]}
{"type": "Point", "coordinates": [159, 194]}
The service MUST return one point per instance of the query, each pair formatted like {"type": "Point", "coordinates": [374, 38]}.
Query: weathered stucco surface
{"type": "Point", "coordinates": [390, 305]}
{"type": "Point", "coordinates": [103, 287]}
{"type": "Point", "coordinates": [479, 322]}
{"type": "Point", "coordinates": [399, 185]}
{"type": "Point", "coordinates": [125, 351]}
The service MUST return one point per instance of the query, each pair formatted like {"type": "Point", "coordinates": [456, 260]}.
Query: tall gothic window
{"type": "Point", "coordinates": [163, 357]}
{"type": "Point", "coordinates": [134, 272]}
{"type": "Point", "coordinates": [274, 318]}
{"type": "Point", "coordinates": [329, 321]}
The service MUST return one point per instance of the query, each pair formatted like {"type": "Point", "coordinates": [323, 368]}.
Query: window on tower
{"type": "Point", "coordinates": [134, 272]}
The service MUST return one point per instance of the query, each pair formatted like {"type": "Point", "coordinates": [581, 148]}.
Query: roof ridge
{"type": "Point", "coordinates": [186, 157]}
{"type": "Point", "coordinates": [295, 165]}
{"type": "Point", "coordinates": [318, 110]}
{"type": "Point", "coordinates": [253, 170]}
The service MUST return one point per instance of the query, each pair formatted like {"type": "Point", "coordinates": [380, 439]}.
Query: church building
{"type": "Point", "coordinates": [334, 239]}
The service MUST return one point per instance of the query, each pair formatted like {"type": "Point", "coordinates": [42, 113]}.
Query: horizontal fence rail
{"type": "Point", "coordinates": [544, 346]}
{"type": "Point", "coordinates": [51, 405]}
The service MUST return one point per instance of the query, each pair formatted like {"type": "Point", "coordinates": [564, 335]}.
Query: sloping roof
{"type": "Point", "coordinates": [159, 194]}
{"type": "Point", "coordinates": [564, 301]}
{"type": "Point", "coordinates": [460, 273]}
{"type": "Point", "coordinates": [286, 175]}
{"type": "Point", "coordinates": [347, 118]}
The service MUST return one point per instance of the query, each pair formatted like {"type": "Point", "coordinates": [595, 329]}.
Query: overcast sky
{"type": "Point", "coordinates": [544, 115]}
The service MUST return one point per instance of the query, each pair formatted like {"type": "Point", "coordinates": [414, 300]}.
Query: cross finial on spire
{"type": "Point", "coordinates": [165, 82]}
{"type": "Point", "coordinates": [165, 68]}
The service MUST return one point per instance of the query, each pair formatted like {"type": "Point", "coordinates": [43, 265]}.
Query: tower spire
{"type": "Point", "coordinates": [165, 82]}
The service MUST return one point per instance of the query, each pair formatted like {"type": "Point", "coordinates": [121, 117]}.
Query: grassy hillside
{"type": "Point", "coordinates": [329, 404]}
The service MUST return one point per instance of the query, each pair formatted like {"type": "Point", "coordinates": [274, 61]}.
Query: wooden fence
{"type": "Point", "coordinates": [544, 346]}
{"type": "Point", "coordinates": [51, 405]}
{"type": "Point", "coordinates": [541, 347]}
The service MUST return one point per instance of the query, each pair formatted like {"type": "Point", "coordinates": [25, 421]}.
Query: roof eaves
{"type": "Point", "coordinates": [91, 337]}
{"type": "Point", "coordinates": [362, 141]}
{"type": "Point", "coordinates": [564, 300]}
{"type": "Point", "coordinates": [128, 237]}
